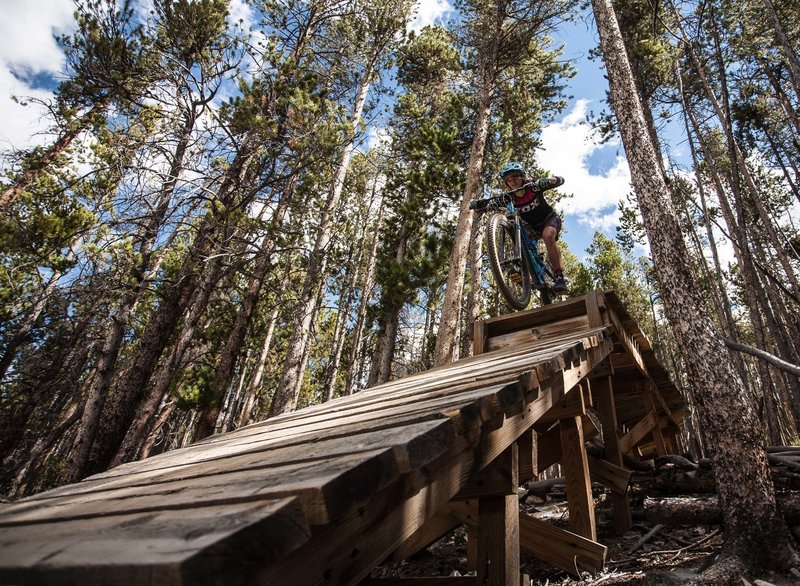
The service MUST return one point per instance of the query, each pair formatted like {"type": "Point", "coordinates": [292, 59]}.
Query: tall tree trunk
{"type": "Point", "coordinates": [381, 369]}
{"type": "Point", "coordinates": [473, 309]}
{"type": "Point", "coordinates": [230, 353]}
{"type": "Point", "coordinates": [447, 337]}
{"type": "Point", "coordinates": [367, 287]}
{"type": "Point", "coordinates": [21, 183]}
{"type": "Point", "coordinates": [254, 386]}
{"type": "Point", "coordinates": [754, 528]}
{"type": "Point", "coordinates": [285, 398]}
{"type": "Point", "coordinates": [786, 46]}
{"type": "Point", "coordinates": [118, 323]}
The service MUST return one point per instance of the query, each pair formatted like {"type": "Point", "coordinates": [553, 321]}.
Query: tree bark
{"type": "Point", "coordinates": [755, 532]}
{"type": "Point", "coordinates": [285, 398]}
{"type": "Point", "coordinates": [447, 336]}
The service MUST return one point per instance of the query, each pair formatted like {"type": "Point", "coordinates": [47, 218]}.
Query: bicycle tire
{"type": "Point", "coordinates": [505, 264]}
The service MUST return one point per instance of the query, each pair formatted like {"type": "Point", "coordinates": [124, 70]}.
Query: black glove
{"type": "Point", "coordinates": [479, 205]}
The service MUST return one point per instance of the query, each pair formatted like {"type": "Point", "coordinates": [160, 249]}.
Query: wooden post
{"type": "Point", "coordinates": [579, 486]}
{"type": "Point", "coordinates": [479, 332]}
{"type": "Point", "coordinates": [649, 405]}
{"type": "Point", "coordinates": [498, 540]}
{"type": "Point", "coordinates": [604, 398]}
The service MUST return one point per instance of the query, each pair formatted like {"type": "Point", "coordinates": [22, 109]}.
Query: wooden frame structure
{"type": "Point", "coordinates": [325, 494]}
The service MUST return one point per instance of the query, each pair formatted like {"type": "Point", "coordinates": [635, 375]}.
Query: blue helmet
{"type": "Point", "coordinates": [512, 167]}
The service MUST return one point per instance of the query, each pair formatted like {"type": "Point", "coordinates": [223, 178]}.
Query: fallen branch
{"type": "Point", "coordinates": [763, 355]}
{"type": "Point", "coordinates": [645, 539]}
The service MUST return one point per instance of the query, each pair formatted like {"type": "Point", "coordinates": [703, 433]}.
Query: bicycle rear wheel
{"type": "Point", "coordinates": [510, 271]}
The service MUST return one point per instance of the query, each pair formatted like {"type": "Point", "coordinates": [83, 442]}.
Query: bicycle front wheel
{"type": "Point", "coordinates": [510, 271]}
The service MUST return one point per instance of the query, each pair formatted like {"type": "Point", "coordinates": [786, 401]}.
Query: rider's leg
{"type": "Point", "coordinates": [549, 235]}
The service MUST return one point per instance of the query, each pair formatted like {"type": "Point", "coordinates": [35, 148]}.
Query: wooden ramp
{"type": "Point", "coordinates": [325, 494]}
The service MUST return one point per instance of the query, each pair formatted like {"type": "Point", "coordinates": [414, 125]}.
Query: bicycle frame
{"type": "Point", "coordinates": [531, 248]}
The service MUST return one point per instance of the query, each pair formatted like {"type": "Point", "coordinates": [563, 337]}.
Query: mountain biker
{"type": "Point", "coordinates": [536, 212]}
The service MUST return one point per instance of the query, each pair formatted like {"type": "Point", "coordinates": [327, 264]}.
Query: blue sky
{"type": "Point", "coordinates": [597, 174]}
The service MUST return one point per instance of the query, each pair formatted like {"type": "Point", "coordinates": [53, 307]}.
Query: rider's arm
{"type": "Point", "coordinates": [546, 183]}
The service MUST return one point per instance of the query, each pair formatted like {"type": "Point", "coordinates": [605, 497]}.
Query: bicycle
{"type": "Point", "coordinates": [516, 274]}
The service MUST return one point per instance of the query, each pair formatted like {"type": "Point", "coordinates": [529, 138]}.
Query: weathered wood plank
{"type": "Point", "coordinates": [552, 331]}
{"type": "Point", "coordinates": [434, 529]}
{"type": "Point", "coordinates": [638, 433]}
{"type": "Point", "coordinates": [346, 551]}
{"type": "Point", "coordinates": [613, 477]}
{"type": "Point", "coordinates": [527, 455]}
{"type": "Point", "coordinates": [414, 444]}
{"type": "Point", "coordinates": [326, 489]}
{"type": "Point", "coordinates": [191, 546]}
{"type": "Point", "coordinates": [576, 471]}
{"type": "Point", "coordinates": [500, 477]}
{"type": "Point", "coordinates": [498, 540]}
{"type": "Point", "coordinates": [481, 402]}
{"type": "Point", "coordinates": [559, 547]}
{"type": "Point", "coordinates": [563, 549]}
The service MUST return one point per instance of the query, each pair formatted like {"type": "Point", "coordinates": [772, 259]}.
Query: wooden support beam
{"type": "Point", "coordinates": [479, 337]}
{"type": "Point", "coordinates": [615, 478]}
{"type": "Point", "coordinates": [556, 546]}
{"type": "Point", "coordinates": [649, 405]}
{"type": "Point", "coordinates": [604, 395]}
{"type": "Point", "coordinates": [501, 477]}
{"type": "Point", "coordinates": [595, 309]}
{"type": "Point", "coordinates": [576, 471]}
{"type": "Point", "coordinates": [572, 404]}
{"type": "Point", "coordinates": [548, 444]}
{"type": "Point", "coordinates": [498, 540]}
{"type": "Point", "coordinates": [562, 548]}
{"type": "Point", "coordinates": [640, 431]}
{"type": "Point", "coordinates": [434, 529]}
{"type": "Point", "coordinates": [526, 446]}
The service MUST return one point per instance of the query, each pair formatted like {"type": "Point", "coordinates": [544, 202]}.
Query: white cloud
{"type": "Point", "coordinates": [28, 49]}
{"type": "Point", "coordinates": [427, 12]}
{"type": "Point", "coordinates": [569, 148]}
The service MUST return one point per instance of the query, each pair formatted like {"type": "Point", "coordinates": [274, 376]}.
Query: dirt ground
{"type": "Point", "coordinates": [672, 555]}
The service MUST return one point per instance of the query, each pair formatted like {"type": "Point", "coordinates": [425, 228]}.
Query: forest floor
{"type": "Point", "coordinates": [673, 554]}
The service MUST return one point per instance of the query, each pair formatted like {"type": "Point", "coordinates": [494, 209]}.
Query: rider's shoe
{"type": "Point", "coordinates": [560, 285]}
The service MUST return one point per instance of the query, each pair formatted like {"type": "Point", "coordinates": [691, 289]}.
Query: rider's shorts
{"type": "Point", "coordinates": [553, 220]}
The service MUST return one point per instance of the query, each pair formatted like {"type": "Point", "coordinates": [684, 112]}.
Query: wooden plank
{"type": "Point", "coordinates": [623, 520]}
{"type": "Point", "coordinates": [346, 551]}
{"type": "Point", "coordinates": [559, 547]}
{"type": "Point", "coordinates": [649, 405]}
{"type": "Point", "coordinates": [537, 316]}
{"type": "Point", "coordinates": [567, 327]}
{"type": "Point", "coordinates": [479, 338]}
{"type": "Point", "coordinates": [430, 532]}
{"type": "Point", "coordinates": [414, 444]}
{"type": "Point", "coordinates": [500, 477]}
{"type": "Point", "coordinates": [613, 477]}
{"type": "Point", "coordinates": [570, 405]}
{"type": "Point", "coordinates": [189, 546]}
{"type": "Point", "coordinates": [549, 443]}
{"type": "Point", "coordinates": [526, 444]}
{"type": "Point", "coordinates": [595, 306]}
{"type": "Point", "coordinates": [498, 540]}
{"type": "Point", "coordinates": [641, 430]}
{"type": "Point", "coordinates": [576, 471]}
{"type": "Point", "coordinates": [326, 489]}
